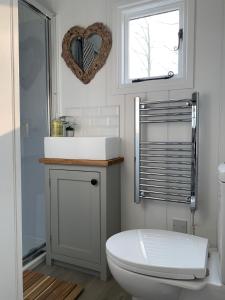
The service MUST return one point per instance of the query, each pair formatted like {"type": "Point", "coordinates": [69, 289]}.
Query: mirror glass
{"type": "Point", "coordinates": [85, 50]}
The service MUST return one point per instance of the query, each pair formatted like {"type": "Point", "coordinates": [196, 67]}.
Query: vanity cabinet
{"type": "Point", "coordinates": [75, 214]}
{"type": "Point", "coordinates": [83, 211]}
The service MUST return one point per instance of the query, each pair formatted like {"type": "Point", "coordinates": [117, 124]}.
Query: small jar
{"type": "Point", "coordinates": [69, 131]}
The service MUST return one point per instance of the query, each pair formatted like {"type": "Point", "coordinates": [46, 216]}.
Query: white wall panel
{"type": "Point", "coordinates": [208, 70]}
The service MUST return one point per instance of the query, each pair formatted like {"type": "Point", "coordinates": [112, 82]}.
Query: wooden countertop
{"type": "Point", "coordinates": [81, 162]}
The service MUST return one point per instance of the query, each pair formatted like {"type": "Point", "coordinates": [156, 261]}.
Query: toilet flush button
{"type": "Point", "coordinates": [180, 225]}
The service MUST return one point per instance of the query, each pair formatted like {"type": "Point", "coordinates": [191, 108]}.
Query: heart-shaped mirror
{"type": "Point", "coordinates": [85, 51]}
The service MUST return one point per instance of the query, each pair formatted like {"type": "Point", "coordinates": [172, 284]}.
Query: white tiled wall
{"type": "Point", "coordinates": [95, 121]}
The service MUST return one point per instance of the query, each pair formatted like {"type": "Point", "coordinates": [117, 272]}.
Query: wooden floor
{"type": "Point", "coordinates": [94, 288]}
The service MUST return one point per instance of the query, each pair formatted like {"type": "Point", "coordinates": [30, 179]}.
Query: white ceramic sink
{"type": "Point", "coordinates": [93, 148]}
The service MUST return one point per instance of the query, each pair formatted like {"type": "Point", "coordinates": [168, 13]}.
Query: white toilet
{"type": "Point", "coordinates": [156, 264]}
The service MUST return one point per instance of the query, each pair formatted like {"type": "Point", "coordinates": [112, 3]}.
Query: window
{"type": "Point", "coordinates": [155, 44]}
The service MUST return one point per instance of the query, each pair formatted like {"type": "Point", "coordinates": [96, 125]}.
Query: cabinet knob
{"type": "Point", "coordinates": [94, 181]}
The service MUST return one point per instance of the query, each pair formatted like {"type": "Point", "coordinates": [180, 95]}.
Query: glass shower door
{"type": "Point", "coordinates": [34, 99]}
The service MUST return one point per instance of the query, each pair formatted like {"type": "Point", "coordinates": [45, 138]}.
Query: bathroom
{"type": "Point", "coordinates": [104, 107]}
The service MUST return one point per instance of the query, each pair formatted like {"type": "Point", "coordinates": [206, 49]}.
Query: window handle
{"type": "Point", "coordinates": [168, 76]}
{"type": "Point", "coordinates": [180, 39]}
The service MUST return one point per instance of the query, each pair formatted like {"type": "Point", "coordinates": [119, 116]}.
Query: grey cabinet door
{"type": "Point", "coordinates": [75, 214]}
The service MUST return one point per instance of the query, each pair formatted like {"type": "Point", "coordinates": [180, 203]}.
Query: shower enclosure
{"type": "Point", "coordinates": [34, 120]}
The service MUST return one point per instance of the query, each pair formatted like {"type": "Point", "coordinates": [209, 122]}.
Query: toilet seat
{"type": "Point", "coordinates": [159, 253]}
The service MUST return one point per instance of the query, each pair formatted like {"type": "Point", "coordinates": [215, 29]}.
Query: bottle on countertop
{"type": "Point", "coordinates": [62, 126]}
{"type": "Point", "coordinates": [57, 127]}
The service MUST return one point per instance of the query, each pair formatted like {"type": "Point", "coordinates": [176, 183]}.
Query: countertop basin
{"type": "Point", "coordinates": [93, 148]}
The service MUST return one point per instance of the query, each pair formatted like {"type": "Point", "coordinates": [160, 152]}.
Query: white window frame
{"type": "Point", "coordinates": [125, 10]}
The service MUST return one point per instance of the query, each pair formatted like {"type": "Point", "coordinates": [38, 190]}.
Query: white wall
{"type": "Point", "coordinates": [222, 104]}
{"type": "Point", "coordinates": [10, 202]}
{"type": "Point", "coordinates": [208, 71]}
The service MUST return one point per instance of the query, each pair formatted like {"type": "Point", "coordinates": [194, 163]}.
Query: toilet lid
{"type": "Point", "coordinates": [159, 253]}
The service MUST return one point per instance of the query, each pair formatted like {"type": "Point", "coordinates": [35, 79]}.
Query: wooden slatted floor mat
{"type": "Point", "coordinates": [42, 287]}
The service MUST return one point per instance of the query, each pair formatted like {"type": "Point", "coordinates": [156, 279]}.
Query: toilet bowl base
{"type": "Point", "coordinates": [142, 287]}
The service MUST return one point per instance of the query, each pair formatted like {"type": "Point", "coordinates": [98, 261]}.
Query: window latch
{"type": "Point", "coordinates": [180, 39]}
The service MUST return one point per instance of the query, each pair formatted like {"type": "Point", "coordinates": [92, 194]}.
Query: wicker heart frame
{"type": "Point", "coordinates": [76, 32]}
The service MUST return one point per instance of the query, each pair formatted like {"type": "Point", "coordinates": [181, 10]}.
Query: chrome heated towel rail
{"type": "Point", "coordinates": [166, 170]}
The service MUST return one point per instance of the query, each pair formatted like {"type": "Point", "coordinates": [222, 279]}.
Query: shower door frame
{"type": "Point", "coordinates": [50, 42]}
{"type": "Point", "coordinates": [50, 25]}
{"type": "Point", "coordinates": [39, 8]}
{"type": "Point", "coordinates": [47, 17]}
{"type": "Point", "coordinates": [54, 100]}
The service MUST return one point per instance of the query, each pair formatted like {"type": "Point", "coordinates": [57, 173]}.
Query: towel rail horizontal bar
{"type": "Point", "coordinates": [166, 174]}
{"type": "Point", "coordinates": [187, 201]}
{"type": "Point", "coordinates": [165, 168]}
{"type": "Point", "coordinates": [164, 193]}
{"type": "Point", "coordinates": [175, 114]}
{"type": "Point", "coordinates": [165, 143]}
{"type": "Point", "coordinates": [165, 121]}
{"type": "Point", "coordinates": [164, 180]}
{"type": "Point", "coordinates": [165, 155]}
{"type": "Point", "coordinates": [165, 108]}
{"type": "Point", "coordinates": [162, 162]}
{"type": "Point", "coordinates": [165, 187]}
{"type": "Point", "coordinates": [166, 149]}
{"type": "Point", "coordinates": [189, 101]}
